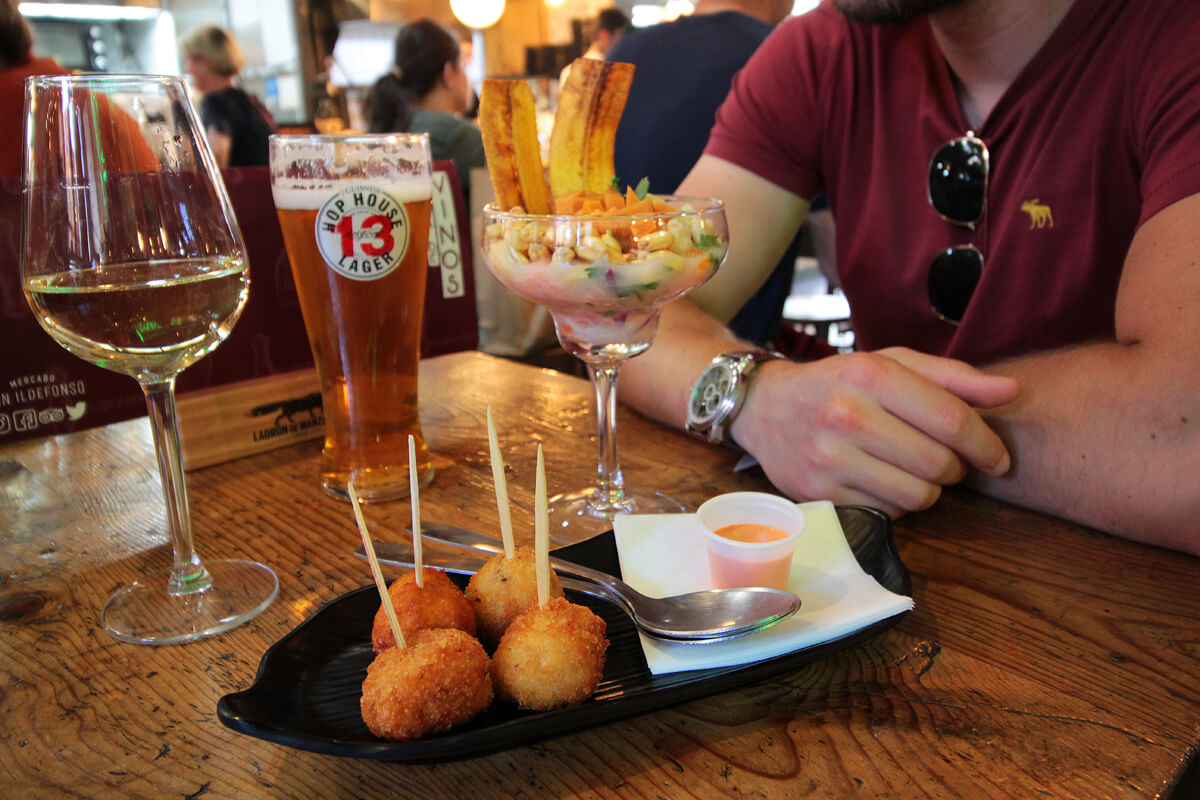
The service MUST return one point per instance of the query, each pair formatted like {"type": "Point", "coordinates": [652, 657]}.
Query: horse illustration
{"type": "Point", "coordinates": [1039, 215]}
{"type": "Point", "coordinates": [289, 408]}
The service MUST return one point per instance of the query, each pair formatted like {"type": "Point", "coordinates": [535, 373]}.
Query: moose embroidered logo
{"type": "Point", "coordinates": [1039, 214]}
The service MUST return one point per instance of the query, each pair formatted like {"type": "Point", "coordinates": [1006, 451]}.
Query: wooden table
{"type": "Point", "coordinates": [1043, 659]}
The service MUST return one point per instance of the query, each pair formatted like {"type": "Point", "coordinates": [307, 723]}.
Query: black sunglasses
{"type": "Point", "coordinates": [958, 177]}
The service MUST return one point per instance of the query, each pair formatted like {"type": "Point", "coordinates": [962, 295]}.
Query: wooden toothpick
{"type": "Point", "coordinates": [501, 484]}
{"type": "Point", "coordinates": [415, 497]}
{"type": "Point", "coordinates": [369, 547]}
{"type": "Point", "coordinates": [541, 532]}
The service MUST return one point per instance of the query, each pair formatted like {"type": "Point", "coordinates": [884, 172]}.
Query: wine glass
{"type": "Point", "coordinates": [131, 258]}
{"type": "Point", "coordinates": [605, 277]}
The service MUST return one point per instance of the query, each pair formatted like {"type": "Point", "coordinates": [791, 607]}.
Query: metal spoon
{"type": "Point", "coordinates": [695, 617]}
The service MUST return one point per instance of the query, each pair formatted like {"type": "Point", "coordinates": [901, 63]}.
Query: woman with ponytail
{"type": "Point", "coordinates": [427, 90]}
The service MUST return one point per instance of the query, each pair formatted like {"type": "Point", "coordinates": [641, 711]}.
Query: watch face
{"type": "Point", "coordinates": [709, 394]}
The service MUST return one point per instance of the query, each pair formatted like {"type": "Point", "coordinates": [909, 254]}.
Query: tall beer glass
{"type": "Point", "coordinates": [355, 214]}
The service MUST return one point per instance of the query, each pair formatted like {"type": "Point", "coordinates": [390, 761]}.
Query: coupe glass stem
{"type": "Point", "coordinates": [188, 575]}
{"type": "Point", "coordinates": [610, 484]}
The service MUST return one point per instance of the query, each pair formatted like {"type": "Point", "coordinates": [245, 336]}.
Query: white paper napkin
{"type": "Point", "coordinates": [664, 554]}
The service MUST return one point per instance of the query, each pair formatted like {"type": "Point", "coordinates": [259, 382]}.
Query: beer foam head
{"type": "Point", "coordinates": [307, 170]}
{"type": "Point", "coordinates": [311, 194]}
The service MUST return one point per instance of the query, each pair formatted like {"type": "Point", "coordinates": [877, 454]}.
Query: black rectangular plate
{"type": "Point", "coordinates": [306, 693]}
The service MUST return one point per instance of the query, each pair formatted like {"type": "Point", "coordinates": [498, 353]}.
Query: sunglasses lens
{"type": "Point", "coordinates": [958, 175]}
{"type": "Point", "coordinates": [953, 276]}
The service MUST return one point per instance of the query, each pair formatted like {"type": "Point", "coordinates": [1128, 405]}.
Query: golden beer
{"type": "Point", "coordinates": [355, 214]}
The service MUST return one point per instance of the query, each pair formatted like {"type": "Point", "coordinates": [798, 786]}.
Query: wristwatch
{"type": "Point", "coordinates": [720, 392]}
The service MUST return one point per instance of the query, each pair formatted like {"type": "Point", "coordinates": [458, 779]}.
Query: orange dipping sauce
{"type": "Point", "coordinates": [756, 534]}
{"type": "Point", "coordinates": [750, 538]}
{"type": "Point", "coordinates": [727, 570]}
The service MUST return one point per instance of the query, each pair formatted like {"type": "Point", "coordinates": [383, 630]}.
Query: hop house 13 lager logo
{"type": "Point", "coordinates": [362, 232]}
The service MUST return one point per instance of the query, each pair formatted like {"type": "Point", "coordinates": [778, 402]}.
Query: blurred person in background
{"type": "Point", "coordinates": [611, 24]}
{"type": "Point", "coordinates": [236, 123]}
{"type": "Point", "coordinates": [427, 91]}
{"type": "Point", "coordinates": [683, 71]}
{"type": "Point", "coordinates": [17, 63]}
{"type": "Point", "coordinates": [607, 29]}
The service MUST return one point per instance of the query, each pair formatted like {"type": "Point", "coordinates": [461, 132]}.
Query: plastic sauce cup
{"type": "Point", "coordinates": [751, 537]}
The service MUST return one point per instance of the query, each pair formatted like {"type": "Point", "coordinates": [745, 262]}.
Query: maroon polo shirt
{"type": "Point", "coordinates": [1100, 131]}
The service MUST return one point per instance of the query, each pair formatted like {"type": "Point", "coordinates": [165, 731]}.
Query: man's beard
{"type": "Point", "coordinates": [890, 11]}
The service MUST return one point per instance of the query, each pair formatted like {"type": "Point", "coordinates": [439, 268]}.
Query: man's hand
{"type": "Point", "coordinates": [887, 429]}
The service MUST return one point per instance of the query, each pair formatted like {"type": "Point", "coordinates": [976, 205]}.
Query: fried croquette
{"type": "Point", "coordinates": [551, 656]}
{"type": "Point", "coordinates": [439, 604]}
{"type": "Point", "coordinates": [502, 589]}
{"type": "Point", "coordinates": [439, 680]}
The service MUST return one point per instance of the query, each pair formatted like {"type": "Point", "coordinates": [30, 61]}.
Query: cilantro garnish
{"type": "Point", "coordinates": [637, 289]}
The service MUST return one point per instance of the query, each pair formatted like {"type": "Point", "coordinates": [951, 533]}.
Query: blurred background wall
{"type": "Point", "coordinates": [290, 44]}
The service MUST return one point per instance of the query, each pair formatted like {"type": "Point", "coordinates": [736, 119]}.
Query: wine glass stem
{"type": "Point", "coordinates": [610, 485]}
{"type": "Point", "coordinates": [188, 574]}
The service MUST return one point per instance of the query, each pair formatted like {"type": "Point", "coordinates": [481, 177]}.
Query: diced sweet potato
{"type": "Point", "coordinates": [613, 202]}
{"type": "Point", "coordinates": [569, 203]}
{"type": "Point", "coordinates": [645, 206]}
{"type": "Point", "coordinates": [643, 227]}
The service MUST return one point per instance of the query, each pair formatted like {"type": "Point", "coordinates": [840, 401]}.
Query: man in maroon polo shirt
{"type": "Point", "coordinates": [1016, 187]}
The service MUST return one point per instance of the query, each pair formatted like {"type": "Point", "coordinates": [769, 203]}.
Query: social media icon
{"type": "Point", "coordinates": [76, 410]}
{"type": "Point", "coordinates": [48, 416]}
{"type": "Point", "coordinates": [25, 419]}
{"type": "Point", "coordinates": [5, 423]}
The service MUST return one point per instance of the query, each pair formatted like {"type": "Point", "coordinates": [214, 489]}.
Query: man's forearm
{"type": "Point", "coordinates": [658, 381]}
{"type": "Point", "coordinates": [1105, 435]}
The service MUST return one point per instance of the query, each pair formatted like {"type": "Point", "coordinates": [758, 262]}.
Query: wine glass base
{"type": "Point", "coordinates": [144, 613]}
{"type": "Point", "coordinates": [578, 516]}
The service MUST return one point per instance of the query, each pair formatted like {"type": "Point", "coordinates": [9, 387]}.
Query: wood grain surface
{"type": "Point", "coordinates": [1044, 660]}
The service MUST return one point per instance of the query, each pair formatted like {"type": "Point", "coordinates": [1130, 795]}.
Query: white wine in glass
{"type": "Point", "coordinates": [132, 259]}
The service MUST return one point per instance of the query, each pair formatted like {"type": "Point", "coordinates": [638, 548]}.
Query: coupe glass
{"type": "Point", "coordinates": [131, 259]}
{"type": "Point", "coordinates": [605, 278]}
